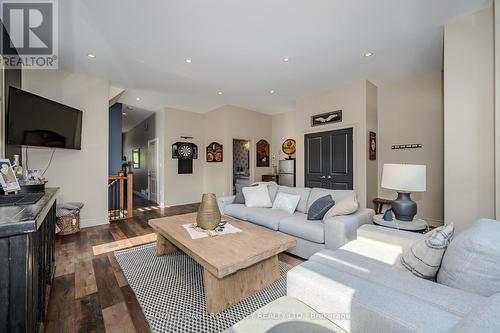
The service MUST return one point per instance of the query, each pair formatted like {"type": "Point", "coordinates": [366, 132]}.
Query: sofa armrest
{"type": "Point", "coordinates": [224, 201]}
{"type": "Point", "coordinates": [387, 236]}
{"type": "Point", "coordinates": [340, 230]}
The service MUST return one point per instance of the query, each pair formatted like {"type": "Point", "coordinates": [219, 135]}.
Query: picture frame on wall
{"type": "Point", "coordinates": [214, 152]}
{"type": "Point", "coordinates": [372, 146]}
{"type": "Point", "coordinates": [326, 118]}
{"type": "Point", "coordinates": [136, 158]}
{"type": "Point", "coordinates": [262, 153]}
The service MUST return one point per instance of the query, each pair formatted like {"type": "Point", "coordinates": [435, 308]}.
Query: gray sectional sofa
{"type": "Point", "coordinates": [361, 288]}
{"type": "Point", "coordinates": [311, 236]}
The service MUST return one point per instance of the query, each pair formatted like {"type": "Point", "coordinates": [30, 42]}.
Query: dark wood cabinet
{"type": "Point", "coordinates": [27, 265]}
{"type": "Point", "coordinates": [270, 178]}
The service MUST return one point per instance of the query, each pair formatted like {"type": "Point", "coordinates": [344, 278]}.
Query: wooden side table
{"type": "Point", "coordinates": [379, 204]}
{"type": "Point", "coordinates": [417, 225]}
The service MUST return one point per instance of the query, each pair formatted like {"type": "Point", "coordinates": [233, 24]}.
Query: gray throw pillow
{"type": "Point", "coordinates": [472, 261]}
{"type": "Point", "coordinates": [319, 207]}
{"type": "Point", "coordinates": [239, 198]}
{"type": "Point", "coordinates": [424, 257]}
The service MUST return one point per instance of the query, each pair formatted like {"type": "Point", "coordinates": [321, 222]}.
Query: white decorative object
{"type": "Point", "coordinates": [257, 196]}
{"type": "Point", "coordinates": [346, 206]}
{"type": "Point", "coordinates": [286, 202]}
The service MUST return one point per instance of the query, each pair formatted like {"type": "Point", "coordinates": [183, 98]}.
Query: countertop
{"type": "Point", "coordinates": [26, 218]}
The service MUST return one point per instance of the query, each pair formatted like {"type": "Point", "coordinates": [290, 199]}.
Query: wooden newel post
{"type": "Point", "coordinates": [130, 193]}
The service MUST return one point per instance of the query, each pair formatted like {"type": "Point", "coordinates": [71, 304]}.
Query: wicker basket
{"type": "Point", "coordinates": [69, 224]}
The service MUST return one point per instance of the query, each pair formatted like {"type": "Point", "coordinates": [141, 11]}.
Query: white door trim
{"type": "Point", "coordinates": [157, 166]}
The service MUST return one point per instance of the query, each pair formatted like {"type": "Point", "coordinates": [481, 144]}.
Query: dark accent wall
{"type": "Point", "coordinates": [115, 139]}
{"type": "Point", "coordinates": [138, 137]}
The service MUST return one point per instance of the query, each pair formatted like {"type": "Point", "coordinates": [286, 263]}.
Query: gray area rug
{"type": "Point", "coordinates": [171, 294]}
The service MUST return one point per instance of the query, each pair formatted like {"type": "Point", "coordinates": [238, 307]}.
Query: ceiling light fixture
{"type": "Point", "coordinates": [271, 91]}
{"type": "Point", "coordinates": [220, 92]}
{"type": "Point", "coordinates": [123, 113]}
{"type": "Point", "coordinates": [137, 99]}
{"type": "Point", "coordinates": [188, 60]}
{"type": "Point", "coordinates": [91, 55]}
{"type": "Point", "coordinates": [286, 59]}
{"type": "Point", "coordinates": [368, 54]}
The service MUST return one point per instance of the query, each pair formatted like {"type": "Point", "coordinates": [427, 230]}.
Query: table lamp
{"type": "Point", "coordinates": [404, 178]}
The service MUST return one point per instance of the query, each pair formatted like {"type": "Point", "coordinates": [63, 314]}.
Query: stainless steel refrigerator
{"type": "Point", "coordinates": [286, 171]}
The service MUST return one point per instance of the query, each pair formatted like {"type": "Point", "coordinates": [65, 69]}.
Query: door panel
{"type": "Point", "coordinates": [152, 170]}
{"type": "Point", "coordinates": [329, 159]}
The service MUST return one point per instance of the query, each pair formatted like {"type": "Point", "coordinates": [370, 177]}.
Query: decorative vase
{"type": "Point", "coordinates": [209, 216]}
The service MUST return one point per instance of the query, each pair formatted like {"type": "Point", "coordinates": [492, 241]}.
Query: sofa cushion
{"type": "Point", "coordinates": [482, 319]}
{"type": "Point", "coordinates": [471, 261]}
{"type": "Point", "coordinates": [345, 206]}
{"type": "Point", "coordinates": [371, 307]}
{"type": "Point", "coordinates": [319, 207]}
{"type": "Point", "coordinates": [299, 226]}
{"type": "Point", "coordinates": [317, 193]}
{"type": "Point", "coordinates": [285, 314]}
{"type": "Point", "coordinates": [302, 191]}
{"type": "Point", "coordinates": [452, 300]}
{"type": "Point", "coordinates": [266, 217]}
{"type": "Point", "coordinates": [424, 257]}
{"type": "Point", "coordinates": [286, 202]}
{"type": "Point", "coordinates": [239, 211]}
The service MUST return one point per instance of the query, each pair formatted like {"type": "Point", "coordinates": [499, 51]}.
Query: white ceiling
{"type": "Point", "coordinates": [237, 46]}
{"type": "Point", "coordinates": [132, 116]}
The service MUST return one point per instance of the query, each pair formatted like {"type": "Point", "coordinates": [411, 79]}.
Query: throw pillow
{"type": "Point", "coordinates": [319, 207]}
{"type": "Point", "coordinates": [257, 196]}
{"type": "Point", "coordinates": [346, 206]}
{"type": "Point", "coordinates": [471, 262]}
{"type": "Point", "coordinates": [239, 198]}
{"type": "Point", "coordinates": [286, 202]}
{"type": "Point", "coordinates": [423, 258]}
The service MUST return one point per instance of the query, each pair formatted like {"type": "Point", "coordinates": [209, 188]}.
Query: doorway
{"type": "Point", "coordinates": [241, 163]}
{"type": "Point", "coordinates": [153, 166]}
{"type": "Point", "coordinates": [329, 159]}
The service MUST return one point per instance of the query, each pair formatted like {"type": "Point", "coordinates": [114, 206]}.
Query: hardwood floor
{"type": "Point", "coordinates": [90, 292]}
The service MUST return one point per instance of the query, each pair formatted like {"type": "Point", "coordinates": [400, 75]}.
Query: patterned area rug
{"type": "Point", "coordinates": [171, 294]}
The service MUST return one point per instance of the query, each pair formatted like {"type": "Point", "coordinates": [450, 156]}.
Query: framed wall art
{"type": "Point", "coordinates": [214, 152]}
{"type": "Point", "coordinates": [136, 158]}
{"type": "Point", "coordinates": [262, 153]}
{"type": "Point", "coordinates": [326, 118]}
{"type": "Point", "coordinates": [372, 145]}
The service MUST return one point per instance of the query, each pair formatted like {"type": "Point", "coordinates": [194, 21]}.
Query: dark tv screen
{"type": "Point", "coordinates": [36, 121]}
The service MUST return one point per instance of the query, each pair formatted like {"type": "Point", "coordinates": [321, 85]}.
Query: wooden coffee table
{"type": "Point", "coordinates": [235, 265]}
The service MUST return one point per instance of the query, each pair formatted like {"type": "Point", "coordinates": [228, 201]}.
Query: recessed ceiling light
{"type": "Point", "coordinates": [124, 113]}
{"type": "Point", "coordinates": [368, 54]}
{"type": "Point", "coordinates": [220, 92]}
{"type": "Point", "coordinates": [188, 60]}
{"type": "Point", "coordinates": [137, 99]}
{"type": "Point", "coordinates": [91, 55]}
{"type": "Point", "coordinates": [271, 91]}
{"type": "Point", "coordinates": [286, 59]}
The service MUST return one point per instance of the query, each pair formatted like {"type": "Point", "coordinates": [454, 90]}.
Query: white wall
{"type": "Point", "coordinates": [371, 126]}
{"type": "Point", "coordinates": [82, 175]}
{"type": "Point", "coordinates": [469, 185]}
{"type": "Point", "coordinates": [184, 188]}
{"type": "Point", "coordinates": [352, 100]}
{"type": "Point", "coordinates": [411, 111]}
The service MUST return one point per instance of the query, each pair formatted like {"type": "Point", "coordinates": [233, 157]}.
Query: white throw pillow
{"type": "Point", "coordinates": [424, 257]}
{"type": "Point", "coordinates": [346, 206]}
{"type": "Point", "coordinates": [257, 196]}
{"type": "Point", "coordinates": [286, 202]}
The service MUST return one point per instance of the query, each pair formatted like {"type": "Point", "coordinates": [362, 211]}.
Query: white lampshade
{"type": "Point", "coordinates": [404, 177]}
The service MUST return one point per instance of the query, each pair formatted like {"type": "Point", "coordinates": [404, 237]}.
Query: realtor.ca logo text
{"type": "Point", "coordinates": [29, 34]}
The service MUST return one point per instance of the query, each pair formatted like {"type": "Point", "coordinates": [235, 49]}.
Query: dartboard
{"type": "Point", "coordinates": [185, 151]}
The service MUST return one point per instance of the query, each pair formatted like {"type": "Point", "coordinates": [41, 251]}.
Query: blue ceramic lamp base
{"type": "Point", "coordinates": [404, 208]}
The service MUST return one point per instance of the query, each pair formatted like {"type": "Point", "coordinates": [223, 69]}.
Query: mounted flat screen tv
{"type": "Point", "coordinates": [35, 121]}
